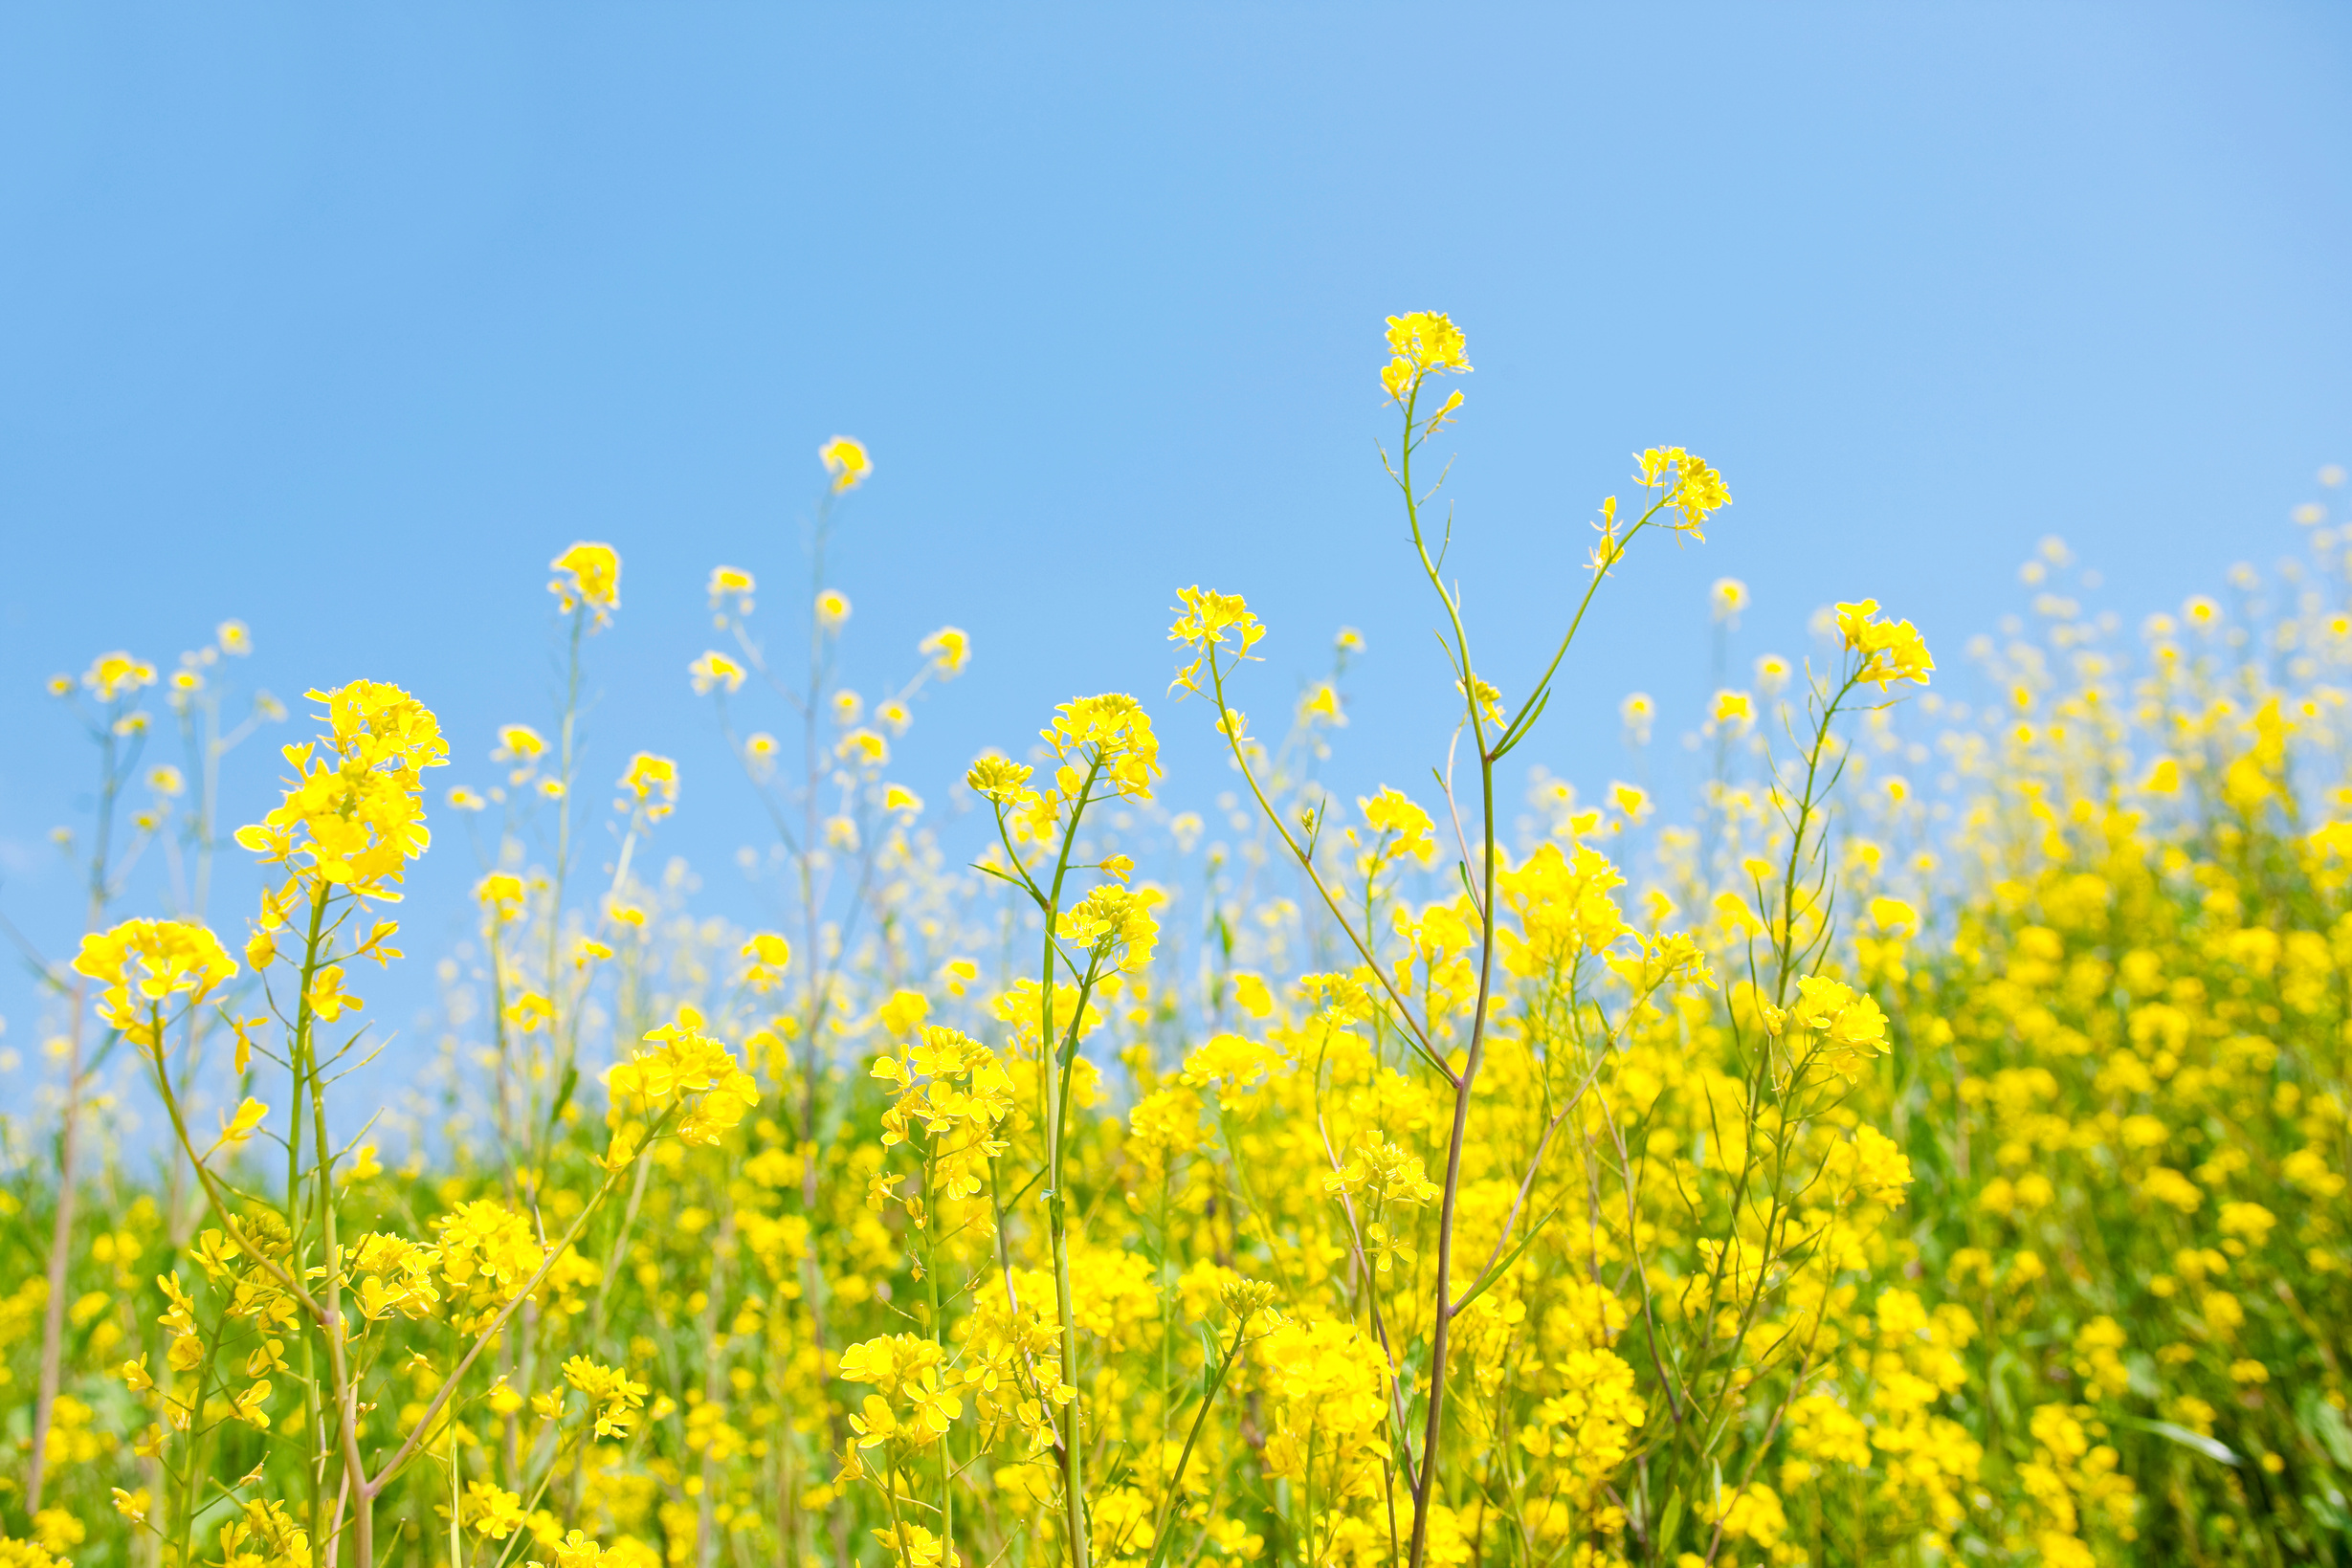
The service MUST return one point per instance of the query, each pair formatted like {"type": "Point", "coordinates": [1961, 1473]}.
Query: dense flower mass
{"type": "Point", "coordinates": [1928, 1145]}
{"type": "Point", "coordinates": [148, 966]}
{"type": "Point", "coordinates": [588, 578]}
{"type": "Point", "coordinates": [355, 816]}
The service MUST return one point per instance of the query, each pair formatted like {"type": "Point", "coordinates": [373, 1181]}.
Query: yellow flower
{"type": "Point", "coordinates": [949, 650]}
{"type": "Point", "coordinates": [111, 675]}
{"type": "Point", "coordinates": [492, 1510]}
{"type": "Point", "coordinates": [832, 608]}
{"type": "Point", "coordinates": [1203, 624]}
{"type": "Point", "coordinates": [589, 575]}
{"type": "Point", "coordinates": [1893, 915]}
{"type": "Point", "coordinates": [731, 583]}
{"type": "Point", "coordinates": [1423, 343]}
{"type": "Point", "coordinates": [1695, 490]}
{"type": "Point", "coordinates": [1114, 918]}
{"type": "Point", "coordinates": [1889, 651]}
{"type": "Point", "coordinates": [716, 669]}
{"type": "Point", "coordinates": [998, 777]}
{"type": "Point", "coordinates": [144, 965]}
{"type": "Point", "coordinates": [912, 1546]}
{"type": "Point", "coordinates": [688, 1066]}
{"type": "Point", "coordinates": [327, 998]}
{"type": "Point", "coordinates": [500, 894]}
{"type": "Point", "coordinates": [1112, 731]}
{"type": "Point", "coordinates": [846, 460]}
{"type": "Point", "coordinates": [653, 781]}
{"type": "Point", "coordinates": [769, 955]}
{"type": "Point", "coordinates": [357, 813]}
{"type": "Point", "coordinates": [1391, 812]}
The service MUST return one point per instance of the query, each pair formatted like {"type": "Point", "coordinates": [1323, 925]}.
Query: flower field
{"type": "Point", "coordinates": [1853, 1172]}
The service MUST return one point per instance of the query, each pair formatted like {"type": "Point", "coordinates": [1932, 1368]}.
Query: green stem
{"type": "Point", "coordinates": [1176, 1483]}
{"type": "Point", "coordinates": [1057, 1210]}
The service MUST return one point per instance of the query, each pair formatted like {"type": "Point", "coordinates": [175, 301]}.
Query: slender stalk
{"type": "Point", "coordinates": [69, 1140]}
{"type": "Point", "coordinates": [1055, 1078]}
{"type": "Point", "coordinates": [1176, 1483]}
{"type": "Point", "coordinates": [1441, 1334]}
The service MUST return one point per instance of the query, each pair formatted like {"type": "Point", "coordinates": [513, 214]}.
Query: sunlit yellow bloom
{"type": "Point", "coordinates": [686, 1068]}
{"type": "Point", "coordinates": [356, 815]}
{"type": "Point", "coordinates": [716, 669]}
{"type": "Point", "coordinates": [111, 675]}
{"type": "Point", "coordinates": [1889, 651]}
{"type": "Point", "coordinates": [731, 583]}
{"type": "Point", "coordinates": [1114, 921]}
{"type": "Point", "coordinates": [846, 460]}
{"type": "Point", "coordinates": [1205, 623]}
{"type": "Point", "coordinates": [501, 895]}
{"type": "Point", "coordinates": [653, 781]}
{"type": "Point", "coordinates": [769, 955]}
{"type": "Point", "coordinates": [588, 575]}
{"type": "Point", "coordinates": [144, 968]}
{"type": "Point", "coordinates": [949, 650]}
{"type": "Point", "coordinates": [1110, 734]}
{"type": "Point", "coordinates": [1637, 712]}
{"type": "Point", "coordinates": [327, 997]}
{"type": "Point", "coordinates": [1404, 827]}
{"type": "Point", "coordinates": [1423, 343]}
{"type": "Point", "coordinates": [235, 1129]}
{"type": "Point", "coordinates": [1691, 487]}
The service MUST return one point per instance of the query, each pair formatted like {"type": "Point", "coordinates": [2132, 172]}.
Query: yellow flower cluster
{"type": "Point", "coordinates": [356, 814]}
{"type": "Point", "coordinates": [147, 966]}
{"type": "Point", "coordinates": [687, 1073]}
{"type": "Point", "coordinates": [588, 577]}
{"type": "Point", "coordinates": [1388, 1207]}
{"type": "Point", "coordinates": [1889, 652]}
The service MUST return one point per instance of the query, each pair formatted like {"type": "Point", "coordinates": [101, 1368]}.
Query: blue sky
{"type": "Point", "coordinates": [344, 322]}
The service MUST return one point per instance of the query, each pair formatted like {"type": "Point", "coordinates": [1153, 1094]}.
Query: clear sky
{"type": "Point", "coordinates": [343, 320]}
